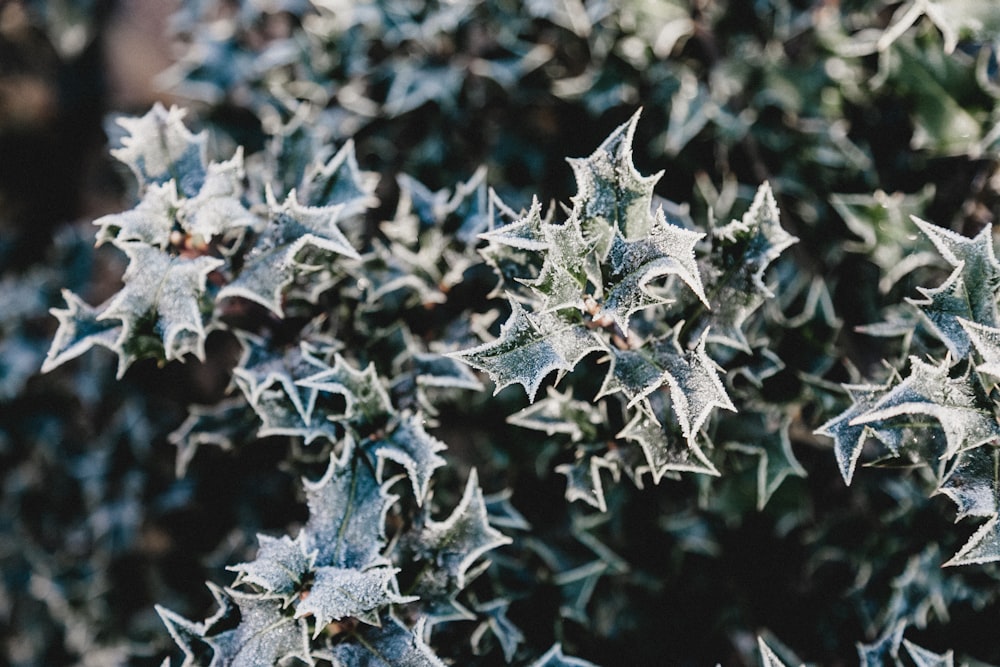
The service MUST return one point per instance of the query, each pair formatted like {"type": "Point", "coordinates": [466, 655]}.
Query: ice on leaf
{"type": "Point", "coordinates": [162, 297]}
{"type": "Point", "coordinates": [150, 222]}
{"type": "Point", "coordinates": [530, 346]}
{"type": "Point", "coordinates": [347, 509]}
{"type": "Point", "coordinates": [159, 147]}
{"type": "Point", "coordinates": [80, 328]}
{"type": "Point", "coordinates": [409, 445]}
{"type": "Point", "coordinates": [986, 341]}
{"type": "Point", "coordinates": [262, 635]}
{"type": "Point", "coordinates": [666, 250]}
{"type": "Point", "coordinates": [390, 645]}
{"type": "Point", "coordinates": [341, 182]}
{"type": "Point", "coordinates": [665, 451]}
{"type": "Point", "coordinates": [583, 479]}
{"type": "Point", "coordinates": [339, 593]}
{"type": "Point", "coordinates": [611, 193]}
{"type": "Point", "coordinates": [555, 657]}
{"type": "Point", "coordinates": [279, 568]}
{"type": "Point", "coordinates": [560, 413]}
{"type": "Point", "coordinates": [982, 547]}
{"type": "Point", "coordinates": [368, 402]}
{"type": "Point", "coordinates": [276, 257]}
{"type": "Point", "coordinates": [768, 657]}
{"type": "Point", "coordinates": [925, 658]}
{"type": "Point", "coordinates": [973, 483]}
{"type": "Point", "coordinates": [455, 543]}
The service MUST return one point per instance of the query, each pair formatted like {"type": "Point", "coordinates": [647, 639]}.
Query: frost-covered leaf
{"type": "Point", "coordinates": [946, 307]}
{"type": "Point", "coordinates": [80, 328]}
{"type": "Point", "coordinates": [262, 636]}
{"type": "Point", "coordinates": [560, 413]}
{"type": "Point", "coordinates": [770, 443]}
{"type": "Point", "coordinates": [884, 650]}
{"type": "Point", "coordinates": [925, 658]}
{"type": "Point", "coordinates": [340, 182]}
{"type": "Point", "coordinates": [982, 547]}
{"type": "Point", "coordinates": [570, 259]}
{"type": "Point", "coordinates": [159, 147]}
{"type": "Point", "coordinates": [263, 369]}
{"type": "Point", "coordinates": [391, 645]}
{"type": "Point", "coordinates": [162, 299]}
{"type": "Point", "coordinates": [530, 346]}
{"type": "Point", "coordinates": [958, 404]}
{"type": "Point", "coordinates": [664, 450]}
{"type": "Point", "coordinates": [611, 193]}
{"type": "Point", "coordinates": [986, 341]}
{"type": "Point", "coordinates": [734, 274]}
{"type": "Point", "coordinates": [973, 483]}
{"type": "Point", "coordinates": [279, 253]}
{"type": "Point", "coordinates": [347, 509]}
{"type": "Point", "coordinates": [149, 222]}
{"type": "Point", "coordinates": [583, 479]}
{"type": "Point", "coordinates": [368, 402]}
{"type": "Point", "coordinates": [438, 370]}
{"type": "Point", "coordinates": [768, 658]}
{"type": "Point", "coordinates": [692, 377]}
{"type": "Point", "coordinates": [849, 437]}
{"type": "Point", "coordinates": [338, 593]}
{"type": "Point", "coordinates": [455, 543]}
{"type": "Point", "coordinates": [555, 657]}
{"type": "Point", "coordinates": [502, 628]}
{"type": "Point", "coordinates": [223, 424]}
{"type": "Point", "coordinates": [666, 250]}
{"type": "Point", "coordinates": [409, 445]}
{"type": "Point", "coordinates": [279, 568]}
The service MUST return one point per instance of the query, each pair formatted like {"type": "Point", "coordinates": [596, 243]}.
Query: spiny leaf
{"type": "Point", "coordinates": [391, 645]}
{"type": "Point", "coordinates": [583, 479]}
{"type": "Point", "coordinates": [347, 509]}
{"type": "Point", "coordinates": [973, 483]}
{"type": "Point", "coordinates": [884, 650]}
{"type": "Point", "coordinates": [263, 636]}
{"type": "Point", "coordinates": [340, 181]}
{"type": "Point", "coordinates": [409, 445]}
{"type": "Point", "coordinates": [162, 298]}
{"type": "Point", "coordinates": [497, 622]}
{"type": "Point", "coordinates": [560, 413]}
{"type": "Point", "coordinates": [776, 461]}
{"type": "Point", "coordinates": [275, 259]}
{"type": "Point", "coordinates": [849, 437]}
{"type": "Point", "coordinates": [986, 341]}
{"type": "Point", "coordinates": [665, 451]}
{"type": "Point", "coordinates": [530, 346]}
{"type": "Point", "coordinates": [159, 147]}
{"type": "Point", "coordinates": [455, 543]}
{"type": "Point", "coordinates": [80, 328]}
{"type": "Point", "coordinates": [338, 593]}
{"type": "Point", "coordinates": [611, 193]}
{"type": "Point", "coordinates": [982, 547]}
{"type": "Point", "coordinates": [368, 402]}
{"type": "Point", "coordinates": [768, 657]}
{"type": "Point", "coordinates": [924, 658]}
{"type": "Point", "coordinates": [666, 250]}
{"type": "Point", "coordinates": [279, 568]}
{"type": "Point", "coordinates": [555, 657]}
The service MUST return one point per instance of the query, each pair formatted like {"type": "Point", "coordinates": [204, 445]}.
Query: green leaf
{"type": "Point", "coordinates": [666, 250]}
{"type": "Point", "coordinates": [163, 299]}
{"type": "Point", "coordinates": [262, 636]}
{"type": "Point", "coordinates": [368, 402]}
{"type": "Point", "coordinates": [338, 593]}
{"type": "Point", "coordinates": [770, 443]}
{"type": "Point", "coordinates": [409, 445]}
{"type": "Point", "coordinates": [347, 508]}
{"type": "Point", "coordinates": [973, 483]}
{"type": "Point", "coordinates": [530, 346]}
{"type": "Point", "coordinates": [279, 568]}
{"type": "Point", "coordinates": [560, 413]}
{"type": "Point", "coordinates": [665, 451]}
{"type": "Point", "coordinates": [160, 148]}
{"type": "Point", "coordinates": [391, 645]}
{"type": "Point", "coordinates": [555, 657]}
{"type": "Point", "coordinates": [340, 182]}
{"type": "Point", "coordinates": [611, 193]}
{"type": "Point", "coordinates": [849, 437]}
{"type": "Point", "coordinates": [734, 271]}
{"type": "Point", "coordinates": [583, 479]}
{"type": "Point", "coordinates": [507, 634]}
{"type": "Point", "coordinates": [293, 231]}
{"type": "Point", "coordinates": [80, 328]}
{"type": "Point", "coordinates": [457, 542]}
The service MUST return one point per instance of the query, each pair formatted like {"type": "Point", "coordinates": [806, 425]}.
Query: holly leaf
{"type": "Point", "coordinates": [338, 593]}
{"type": "Point", "coordinates": [262, 370]}
{"type": "Point", "coordinates": [297, 239]}
{"type": "Point", "coordinates": [457, 542]}
{"type": "Point", "coordinates": [261, 636]}
{"type": "Point", "coordinates": [973, 483]}
{"type": "Point", "coordinates": [439, 370]}
{"type": "Point", "coordinates": [368, 402]}
{"type": "Point", "coordinates": [924, 658]}
{"type": "Point", "coordinates": [340, 182]}
{"type": "Point", "coordinates": [666, 250]}
{"type": "Point", "coordinates": [849, 437]}
{"type": "Point", "coordinates": [530, 346]}
{"type": "Point", "coordinates": [555, 657]}
{"type": "Point", "coordinates": [768, 658]}
{"type": "Point", "coordinates": [692, 377]}
{"type": "Point", "coordinates": [391, 645]}
{"type": "Point", "coordinates": [611, 193]}
{"type": "Point", "coordinates": [80, 328]}
{"type": "Point", "coordinates": [280, 567]}
{"type": "Point", "coordinates": [734, 270]}
{"type": "Point", "coordinates": [409, 445]}
{"type": "Point", "coordinates": [347, 508]}
{"type": "Point", "coordinates": [982, 547]}
{"type": "Point", "coordinates": [884, 650]}
{"type": "Point", "coordinates": [583, 479]}
{"type": "Point", "coordinates": [986, 341]}
{"type": "Point", "coordinates": [664, 450]}
{"type": "Point", "coordinates": [151, 221]}
{"type": "Point", "coordinates": [570, 260]}
{"type": "Point", "coordinates": [506, 633]}
{"type": "Point", "coordinates": [161, 305]}
{"type": "Point", "coordinates": [771, 445]}
{"type": "Point", "coordinates": [560, 413]}
{"type": "Point", "coordinates": [158, 148]}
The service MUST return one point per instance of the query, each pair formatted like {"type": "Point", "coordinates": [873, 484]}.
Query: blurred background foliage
{"type": "Point", "coordinates": [858, 113]}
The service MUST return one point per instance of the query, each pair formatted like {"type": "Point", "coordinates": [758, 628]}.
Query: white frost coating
{"type": "Point", "coordinates": [261, 369]}
{"type": "Point", "coordinates": [150, 222]}
{"type": "Point", "coordinates": [339, 593]}
{"type": "Point", "coordinates": [662, 453]}
{"type": "Point", "coordinates": [279, 567]}
{"type": "Point", "coordinates": [987, 343]}
{"type": "Point", "coordinates": [583, 480]}
{"type": "Point", "coordinates": [159, 144]}
{"type": "Point", "coordinates": [416, 450]}
{"type": "Point", "coordinates": [525, 233]}
{"type": "Point", "coordinates": [79, 330]}
{"type": "Point", "coordinates": [555, 657]}
{"type": "Point", "coordinates": [768, 658]}
{"type": "Point", "coordinates": [982, 547]}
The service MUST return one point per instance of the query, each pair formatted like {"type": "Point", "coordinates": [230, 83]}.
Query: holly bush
{"type": "Point", "coordinates": [539, 333]}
